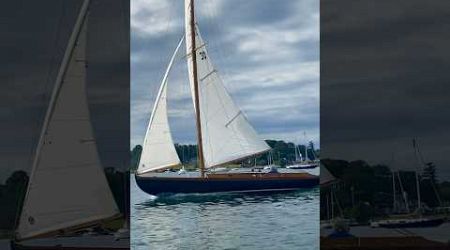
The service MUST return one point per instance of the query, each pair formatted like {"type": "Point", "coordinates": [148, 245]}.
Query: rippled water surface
{"type": "Point", "coordinates": [259, 221]}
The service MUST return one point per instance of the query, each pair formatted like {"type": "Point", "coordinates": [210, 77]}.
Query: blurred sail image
{"type": "Point", "coordinates": [68, 200]}
{"type": "Point", "coordinates": [228, 155]}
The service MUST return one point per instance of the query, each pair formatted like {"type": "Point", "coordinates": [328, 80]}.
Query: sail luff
{"type": "Point", "coordinates": [163, 84]}
{"type": "Point", "coordinates": [62, 70]}
{"type": "Point", "coordinates": [147, 150]}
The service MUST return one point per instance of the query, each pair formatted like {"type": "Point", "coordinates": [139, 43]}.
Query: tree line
{"type": "Point", "coordinates": [282, 153]}
{"type": "Point", "coordinates": [366, 191]}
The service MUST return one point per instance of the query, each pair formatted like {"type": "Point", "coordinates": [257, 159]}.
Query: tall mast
{"type": "Point", "coordinates": [419, 206]}
{"type": "Point", "coordinates": [196, 90]}
{"type": "Point", "coordinates": [306, 147]}
{"type": "Point", "coordinates": [404, 194]}
{"type": "Point", "coordinates": [394, 204]}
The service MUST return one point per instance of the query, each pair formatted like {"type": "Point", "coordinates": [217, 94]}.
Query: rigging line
{"type": "Point", "coordinates": [207, 75]}
{"type": "Point", "coordinates": [338, 204]}
{"type": "Point", "coordinates": [162, 66]}
{"type": "Point", "coordinates": [419, 153]}
{"type": "Point", "coordinates": [402, 191]}
{"type": "Point", "coordinates": [423, 162]}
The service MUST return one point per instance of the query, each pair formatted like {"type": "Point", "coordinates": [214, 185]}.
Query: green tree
{"type": "Point", "coordinates": [135, 157]}
{"type": "Point", "coordinates": [429, 185]}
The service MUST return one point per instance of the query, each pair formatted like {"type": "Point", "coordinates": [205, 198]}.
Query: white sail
{"type": "Point", "coordinates": [67, 186]}
{"type": "Point", "coordinates": [158, 150]}
{"type": "Point", "coordinates": [227, 134]}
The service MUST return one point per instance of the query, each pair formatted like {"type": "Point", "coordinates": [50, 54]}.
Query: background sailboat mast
{"type": "Point", "coordinates": [306, 147]}
{"type": "Point", "coordinates": [419, 205]}
{"type": "Point", "coordinates": [200, 157]}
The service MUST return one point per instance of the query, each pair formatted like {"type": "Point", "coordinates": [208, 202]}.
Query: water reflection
{"type": "Point", "coordinates": [232, 199]}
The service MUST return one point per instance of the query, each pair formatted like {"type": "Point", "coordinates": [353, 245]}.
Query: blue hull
{"type": "Point", "coordinates": [159, 185]}
{"type": "Point", "coordinates": [427, 223]}
{"type": "Point", "coordinates": [304, 167]}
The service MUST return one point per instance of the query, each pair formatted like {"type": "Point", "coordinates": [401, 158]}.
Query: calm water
{"type": "Point", "coordinates": [225, 221]}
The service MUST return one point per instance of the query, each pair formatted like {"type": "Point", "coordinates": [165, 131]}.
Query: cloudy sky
{"type": "Point", "coordinates": [266, 51]}
{"type": "Point", "coordinates": [385, 80]}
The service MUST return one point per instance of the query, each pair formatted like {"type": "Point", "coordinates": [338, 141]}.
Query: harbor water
{"type": "Point", "coordinates": [286, 220]}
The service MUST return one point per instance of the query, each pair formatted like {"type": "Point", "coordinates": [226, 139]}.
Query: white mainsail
{"type": "Point", "coordinates": [67, 186]}
{"type": "Point", "coordinates": [227, 134]}
{"type": "Point", "coordinates": [158, 150]}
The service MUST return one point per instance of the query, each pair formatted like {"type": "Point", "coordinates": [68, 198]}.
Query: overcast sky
{"type": "Point", "coordinates": [266, 51]}
{"type": "Point", "coordinates": [385, 80]}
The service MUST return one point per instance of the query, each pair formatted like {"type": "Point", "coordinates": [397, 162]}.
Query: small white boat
{"type": "Point", "coordinates": [303, 162]}
{"type": "Point", "coordinates": [303, 165]}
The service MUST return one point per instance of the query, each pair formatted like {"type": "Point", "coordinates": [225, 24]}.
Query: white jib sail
{"type": "Point", "coordinates": [227, 134]}
{"type": "Point", "coordinates": [158, 150]}
{"type": "Point", "coordinates": [67, 186]}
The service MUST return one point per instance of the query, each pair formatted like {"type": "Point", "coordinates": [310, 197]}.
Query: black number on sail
{"type": "Point", "coordinates": [202, 55]}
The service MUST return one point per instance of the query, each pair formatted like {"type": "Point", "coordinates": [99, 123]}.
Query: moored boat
{"type": "Point", "coordinates": [409, 222]}
{"type": "Point", "coordinates": [303, 166]}
{"type": "Point", "coordinates": [303, 162]}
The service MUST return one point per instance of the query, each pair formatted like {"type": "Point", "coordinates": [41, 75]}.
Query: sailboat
{"type": "Point", "coordinates": [407, 220]}
{"type": "Point", "coordinates": [303, 162]}
{"type": "Point", "coordinates": [224, 135]}
{"type": "Point", "coordinates": [68, 192]}
{"type": "Point", "coordinates": [416, 219]}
